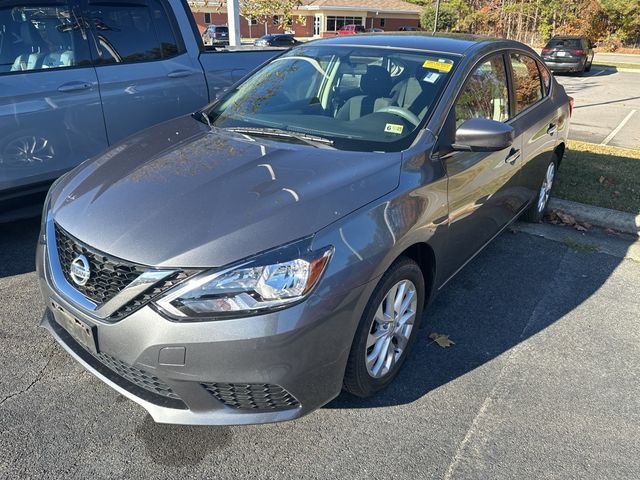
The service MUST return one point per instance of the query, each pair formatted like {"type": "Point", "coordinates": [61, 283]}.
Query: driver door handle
{"type": "Point", "coordinates": [513, 157]}
{"type": "Point", "coordinates": [74, 87]}
{"type": "Point", "coordinates": [180, 74]}
{"type": "Point", "coordinates": [553, 128]}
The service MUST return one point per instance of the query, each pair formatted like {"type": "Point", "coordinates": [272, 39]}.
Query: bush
{"type": "Point", "coordinates": [447, 17]}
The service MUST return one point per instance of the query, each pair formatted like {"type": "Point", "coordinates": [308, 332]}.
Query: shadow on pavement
{"type": "Point", "coordinates": [489, 308]}
{"type": "Point", "coordinates": [161, 446]}
{"type": "Point", "coordinates": [18, 246]}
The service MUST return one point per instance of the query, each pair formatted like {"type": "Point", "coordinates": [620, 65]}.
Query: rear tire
{"type": "Point", "coordinates": [387, 329]}
{"type": "Point", "coordinates": [535, 212]}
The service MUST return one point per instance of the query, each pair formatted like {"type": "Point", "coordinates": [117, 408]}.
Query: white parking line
{"type": "Point", "coordinates": [600, 72]}
{"type": "Point", "coordinates": [615, 131]}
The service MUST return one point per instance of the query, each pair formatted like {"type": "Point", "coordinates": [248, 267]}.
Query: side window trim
{"type": "Point", "coordinates": [82, 43]}
{"type": "Point", "coordinates": [511, 76]}
{"type": "Point", "coordinates": [83, 8]}
{"type": "Point", "coordinates": [504, 54]}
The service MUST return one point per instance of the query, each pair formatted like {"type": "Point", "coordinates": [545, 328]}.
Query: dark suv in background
{"type": "Point", "coordinates": [216, 35]}
{"type": "Point", "coordinates": [568, 54]}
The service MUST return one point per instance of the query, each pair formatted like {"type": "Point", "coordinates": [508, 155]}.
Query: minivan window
{"type": "Point", "coordinates": [387, 95]}
{"type": "Point", "coordinates": [526, 79]}
{"type": "Point", "coordinates": [485, 93]}
{"type": "Point", "coordinates": [132, 31]}
{"type": "Point", "coordinates": [38, 37]}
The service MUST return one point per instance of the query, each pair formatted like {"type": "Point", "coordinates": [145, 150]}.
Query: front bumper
{"type": "Point", "coordinates": [268, 368]}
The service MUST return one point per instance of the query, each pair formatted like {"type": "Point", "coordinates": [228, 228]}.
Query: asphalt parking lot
{"type": "Point", "coordinates": [606, 108]}
{"type": "Point", "coordinates": [542, 382]}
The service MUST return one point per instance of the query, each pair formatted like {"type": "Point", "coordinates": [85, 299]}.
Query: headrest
{"type": "Point", "coordinates": [376, 82]}
{"type": "Point", "coordinates": [30, 35]}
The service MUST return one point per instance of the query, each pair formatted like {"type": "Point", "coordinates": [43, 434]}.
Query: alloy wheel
{"type": "Point", "coordinates": [26, 151]}
{"type": "Point", "coordinates": [545, 189]}
{"type": "Point", "coordinates": [391, 328]}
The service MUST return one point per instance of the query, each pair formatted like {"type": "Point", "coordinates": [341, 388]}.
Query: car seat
{"type": "Point", "coordinates": [375, 84]}
{"type": "Point", "coordinates": [32, 42]}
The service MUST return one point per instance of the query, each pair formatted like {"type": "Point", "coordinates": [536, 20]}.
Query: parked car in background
{"type": "Point", "coordinates": [408, 29]}
{"type": "Point", "coordinates": [216, 35]}
{"type": "Point", "coordinates": [375, 30]}
{"type": "Point", "coordinates": [276, 40]}
{"type": "Point", "coordinates": [244, 264]}
{"type": "Point", "coordinates": [568, 54]}
{"type": "Point", "coordinates": [350, 30]}
{"type": "Point", "coordinates": [74, 80]}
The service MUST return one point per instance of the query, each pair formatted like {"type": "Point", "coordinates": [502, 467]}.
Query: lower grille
{"type": "Point", "coordinates": [252, 396]}
{"type": "Point", "coordinates": [136, 376]}
{"type": "Point", "coordinates": [140, 383]}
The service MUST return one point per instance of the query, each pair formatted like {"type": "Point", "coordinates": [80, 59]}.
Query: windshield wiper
{"type": "Point", "coordinates": [275, 132]}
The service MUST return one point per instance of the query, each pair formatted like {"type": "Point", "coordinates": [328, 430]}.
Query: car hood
{"type": "Point", "coordinates": [182, 195]}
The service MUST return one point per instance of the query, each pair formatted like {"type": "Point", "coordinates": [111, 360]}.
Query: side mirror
{"type": "Point", "coordinates": [593, 45]}
{"type": "Point", "coordinates": [483, 135]}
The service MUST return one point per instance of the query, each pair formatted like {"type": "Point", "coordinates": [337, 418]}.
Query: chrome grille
{"type": "Point", "coordinates": [252, 396]}
{"type": "Point", "coordinates": [109, 275]}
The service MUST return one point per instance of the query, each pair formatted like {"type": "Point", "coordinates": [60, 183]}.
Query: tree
{"type": "Point", "coordinates": [261, 10]}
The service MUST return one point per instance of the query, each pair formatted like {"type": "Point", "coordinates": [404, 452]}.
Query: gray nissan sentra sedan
{"type": "Point", "coordinates": [248, 262]}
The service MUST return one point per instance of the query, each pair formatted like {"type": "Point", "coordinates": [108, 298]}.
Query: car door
{"type": "Point", "coordinates": [481, 184]}
{"type": "Point", "coordinates": [145, 74]}
{"type": "Point", "coordinates": [50, 112]}
{"type": "Point", "coordinates": [536, 122]}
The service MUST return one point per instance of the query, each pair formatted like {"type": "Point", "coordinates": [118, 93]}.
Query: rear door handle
{"type": "Point", "coordinates": [180, 74]}
{"type": "Point", "coordinates": [553, 128]}
{"type": "Point", "coordinates": [513, 157]}
{"type": "Point", "coordinates": [74, 87]}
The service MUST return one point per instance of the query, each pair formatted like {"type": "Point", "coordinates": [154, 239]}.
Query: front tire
{"type": "Point", "coordinates": [535, 212]}
{"type": "Point", "coordinates": [387, 329]}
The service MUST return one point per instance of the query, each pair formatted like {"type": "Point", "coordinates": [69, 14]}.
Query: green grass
{"type": "Point", "coordinates": [600, 175]}
{"type": "Point", "coordinates": [634, 66]}
{"type": "Point", "coordinates": [580, 247]}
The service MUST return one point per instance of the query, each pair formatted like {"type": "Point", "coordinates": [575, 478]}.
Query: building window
{"type": "Point", "coordinates": [252, 21]}
{"type": "Point", "coordinates": [382, 22]}
{"type": "Point", "coordinates": [277, 20]}
{"type": "Point", "coordinates": [207, 18]}
{"type": "Point", "coordinates": [336, 23]}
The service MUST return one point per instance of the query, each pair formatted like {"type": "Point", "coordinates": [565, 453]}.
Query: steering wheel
{"type": "Point", "coordinates": [408, 115]}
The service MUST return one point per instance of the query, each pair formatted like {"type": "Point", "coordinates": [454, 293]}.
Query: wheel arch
{"type": "Point", "coordinates": [559, 152]}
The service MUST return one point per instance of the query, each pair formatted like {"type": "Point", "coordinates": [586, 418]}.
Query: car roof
{"type": "Point", "coordinates": [567, 37]}
{"type": "Point", "coordinates": [460, 44]}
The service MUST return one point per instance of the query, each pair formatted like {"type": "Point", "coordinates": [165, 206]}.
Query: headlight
{"type": "Point", "coordinates": [266, 282]}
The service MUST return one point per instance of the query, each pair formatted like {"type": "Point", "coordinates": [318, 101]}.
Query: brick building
{"type": "Point", "coordinates": [321, 18]}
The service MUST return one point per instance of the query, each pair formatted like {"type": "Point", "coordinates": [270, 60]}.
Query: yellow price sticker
{"type": "Point", "coordinates": [440, 66]}
{"type": "Point", "coordinates": [393, 128]}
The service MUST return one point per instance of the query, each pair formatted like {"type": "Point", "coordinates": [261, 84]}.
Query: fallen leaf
{"type": "Point", "coordinates": [616, 193]}
{"type": "Point", "coordinates": [566, 218]}
{"type": "Point", "coordinates": [601, 180]}
{"type": "Point", "coordinates": [586, 225]}
{"type": "Point", "coordinates": [579, 227]}
{"type": "Point", "coordinates": [441, 339]}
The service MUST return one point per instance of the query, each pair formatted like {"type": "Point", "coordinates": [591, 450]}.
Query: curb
{"type": "Point", "coordinates": [598, 216]}
{"type": "Point", "coordinates": [615, 69]}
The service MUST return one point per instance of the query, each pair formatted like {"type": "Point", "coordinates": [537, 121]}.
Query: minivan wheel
{"type": "Point", "coordinates": [535, 212]}
{"type": "Point", "coordinates": [387, 329]}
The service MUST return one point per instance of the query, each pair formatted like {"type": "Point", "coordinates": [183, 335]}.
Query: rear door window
{"type": "Point", "coordinates": [133, 31]}
{"type": "Point", "coordinates": [39, 36]}
{"type": "Point", "coordinates": [527, 84]}
{"type": "Point", "coordinates": [485, 93]}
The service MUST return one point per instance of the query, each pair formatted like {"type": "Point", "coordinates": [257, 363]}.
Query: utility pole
{"type": "Point", "coordinates": [233, 19]}
{"type": "Point", "coordinates": [435, 23]}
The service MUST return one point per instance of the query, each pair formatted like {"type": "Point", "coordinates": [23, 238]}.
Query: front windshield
{"type": "Point", "coordinates": [359, 98]}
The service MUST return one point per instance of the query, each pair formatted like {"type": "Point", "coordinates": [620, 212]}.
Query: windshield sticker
{"type": "Point", "coordinates": [393, 128]}
{"type": "Point", "coordinates": [431, 77]}
{"type": "Point", "coordinates": [441, 65]}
